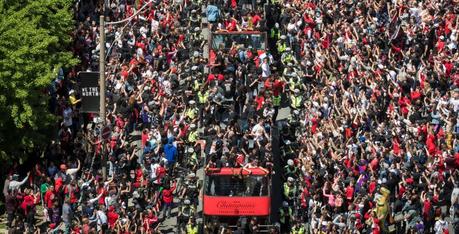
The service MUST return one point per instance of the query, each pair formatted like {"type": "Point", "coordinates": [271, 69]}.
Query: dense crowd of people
{"type": "Point", "coordinates": [369, 144]}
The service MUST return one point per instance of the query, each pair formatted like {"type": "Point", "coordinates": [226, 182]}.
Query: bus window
{"type": "Point", "coordinates": [225, 41]}
{"type": "Point", "coordinates": [246, 186]}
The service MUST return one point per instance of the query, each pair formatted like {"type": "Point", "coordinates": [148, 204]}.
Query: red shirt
{"type": "Point", "coordinates": [112, 218]}
{"type": "Point", "coordinates": [28, 201]}
{"type": "Point", "coordinates": [277, 87]}
{"type": "Point", "coordinates": [168, 194]}
{"type": "Point", "coordinates": [255, 19]}
{"type": "Point", "coordinates": [349, 192]}
{"type": "Point", "coordinates": [48, 198]}
{"type": "Point", "coordinates": [260, 100]}
{"type": "Point", "coordinates": [144, 139]}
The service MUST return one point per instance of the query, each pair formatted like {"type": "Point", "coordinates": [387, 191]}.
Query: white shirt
{"type": "Point", "coordinates": [154, 26]}
{"type": "Point", "coordinates": [455, 103]}
{"type": "Point", "coordinates": [154, 167]}
{"type": "Point", "coordinates": [266, 71]}
{"type": "Point", "coordinates": [440, 225]}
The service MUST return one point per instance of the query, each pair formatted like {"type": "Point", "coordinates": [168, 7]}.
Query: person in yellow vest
{"type": "Point", "coordinates": [192, 134]}
{"type": "Point", "coordinates": [297, 228]}
{"type": "Point", "coordinates": [196, 85]}
{"type": "Point", "coordinates": [287, 57]}
{"type": "Point", "coordinates": [192, 110]}
{"type": "Point", "coordinates": [281, 44]}
{"type": "Point", "coordinates": [191, 227]}
{"type": "Point", "coordinates": [296, 100]}
{"type": "Point", "coordinates": [275, 32]}
{"type": "Point", "coordinates": [290, 190]}
{"type": "Point", "coordinates": [203, 99]}
{"type": "Point", "coordinates": [203, 96]}
{"type": "Point", "coordinates": [285, 216]}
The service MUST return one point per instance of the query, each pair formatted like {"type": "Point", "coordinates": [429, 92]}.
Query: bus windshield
{"type": "Point", "coordinates": [225, 41]}
{"type": "Point", "coordinates": [237, 186]}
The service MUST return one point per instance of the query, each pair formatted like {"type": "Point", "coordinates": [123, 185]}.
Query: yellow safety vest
{"type": "Point", "coordinates": [288, 58]}
{"type": "Point", "coordinates": [275, 33]}
{"type": "Point", "coordinates": [203, 97]}
{"type": "Point", "coordinates": [193, 136]}
{"type": "Point", "coordinates": [281, 47]}
{"type": "Point", "coordinates": [298, 230]}
{"type": "Point", "coordinates": [287, 190]}
{"type": "Point", "coordinates": [191, 113]}
{"type": "Point", "coordinates": [190, 229]}
{"type": "Point", "coordinates": [196, 85]}
{"type": "Point", "coordinates": [276, 100]}
{"type": "Point", "coordinates": [296, 101]}
{"type": "Point", "coordinates": [293, 84]}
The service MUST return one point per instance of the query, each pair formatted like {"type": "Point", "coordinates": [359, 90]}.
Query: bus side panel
{"type": "Point", "coordinates": [236, 206]}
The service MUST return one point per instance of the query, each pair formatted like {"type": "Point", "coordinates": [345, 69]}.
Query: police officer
{"type": "Point", "coordinates": [192, 227]}
{"type": "Point", "coordinates": [290, 170]}
{"type": "Point", "coordinates": [186, 211]}
{"type": "Point", "coordinates": [192, 110]}
{"type": "Point", "coordinates": [290, 189]}
{"type": "Point", "coordinates": [203, 97]}
{"type": "Point", "coordinates": [296, 100]}
{"type": "Point", "coordinates": [191, 191]}
{"type": "Point", "coordinates": [287, 57]}
{"type": "Point", "coordinates": [297, 228]}
{"type": "Point", "coordinates": [281, 45]}
{"type": "Point", "coordinates": [285, 216]}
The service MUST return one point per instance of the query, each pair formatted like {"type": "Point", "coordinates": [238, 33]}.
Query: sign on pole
{"type": "Point", "coordinates": [90, 94]}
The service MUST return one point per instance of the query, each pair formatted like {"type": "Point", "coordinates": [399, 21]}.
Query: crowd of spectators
{"type": "Point", "coordinates": [372, 94]}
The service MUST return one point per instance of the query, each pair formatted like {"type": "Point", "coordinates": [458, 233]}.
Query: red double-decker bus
{"type": "Point", "coordinates": [232, 193]}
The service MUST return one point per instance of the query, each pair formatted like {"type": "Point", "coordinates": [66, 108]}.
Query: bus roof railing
{"type": "Point", "coordinates": [258, 171]}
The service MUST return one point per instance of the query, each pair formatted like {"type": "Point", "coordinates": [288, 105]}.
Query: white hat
{"type": "Point", "coordinates": [290, 179]}
{"type": "Point", "coordinates": [71, 92]}
{"type": "Point", "coordinates": [197, 29]}
{"type": "Point", "coordinates": [194, 68]}
{"type": "Point", "coordinates": [187, 202]}
{"type": "Point", "coordinates": [289, 64]}
{"type": "Point", "coordinates": [288, 49]}
{"type": "Point", "coordinates": [296, 90]}
{"type": "Point", "coordinates": [192, 102]}
{"type": "Point", "coordinates": [283, 37]}
{"type": "Point", "coordinates": [290, 162]}
{"type": "Point", "coordinates": [192, 126]}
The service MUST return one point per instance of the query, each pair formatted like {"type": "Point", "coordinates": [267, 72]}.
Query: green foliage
{"type": "Point", "coordinates": [34, 43]}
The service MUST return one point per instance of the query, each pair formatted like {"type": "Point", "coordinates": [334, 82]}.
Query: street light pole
{"type": "Point", "coordinates": [102, 90]}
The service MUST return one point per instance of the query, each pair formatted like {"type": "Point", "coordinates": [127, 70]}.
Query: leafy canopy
{"type": "Point", "coordinates": [34, 43]}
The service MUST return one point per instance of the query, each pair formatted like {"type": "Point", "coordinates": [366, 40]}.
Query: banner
{"type": "Point", "coordinates": [89, 84]}
{"type": "Point", "coordinates": [236, 206]}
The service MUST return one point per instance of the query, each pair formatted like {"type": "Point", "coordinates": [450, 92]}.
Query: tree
{"type": "Point", "coordinates": [35, 36]}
